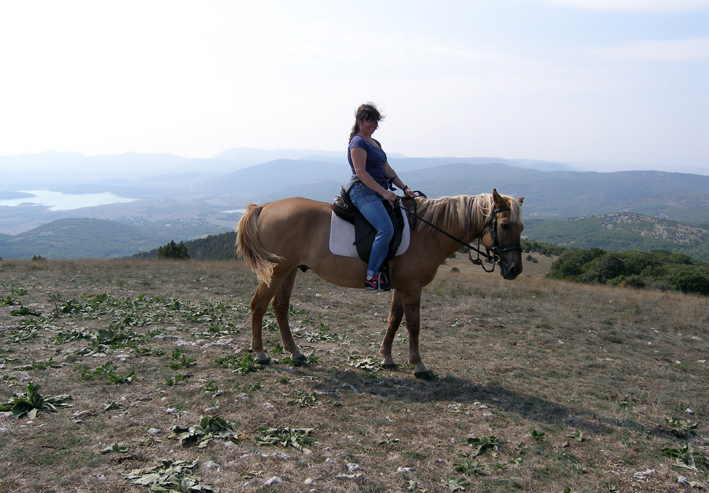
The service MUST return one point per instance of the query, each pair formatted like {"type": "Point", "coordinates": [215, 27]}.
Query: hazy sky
{"type": "Point", "coordinates": [621, 81]}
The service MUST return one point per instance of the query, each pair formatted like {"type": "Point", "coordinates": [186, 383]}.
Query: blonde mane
{"type": "Point", "coordinates": [448, 212]}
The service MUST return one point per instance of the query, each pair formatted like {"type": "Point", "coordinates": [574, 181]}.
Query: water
{"type": "Point", "coordinates": [57, 201]}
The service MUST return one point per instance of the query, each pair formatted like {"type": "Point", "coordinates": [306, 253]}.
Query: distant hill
{"type": "Point", "coordinates": [622, 232]}
{"type": "Point", "coordinates": [213, 247]}
{"type": "Point", "coordinates": [78, 238]}
{"type": "Point", "coordinates": [562, 194]}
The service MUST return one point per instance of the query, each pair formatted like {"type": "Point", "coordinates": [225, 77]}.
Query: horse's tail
{"type": "Point", "coordinates": [248, 245]}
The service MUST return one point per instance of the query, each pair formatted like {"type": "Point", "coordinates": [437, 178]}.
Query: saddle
{"type": "Point", "coordinates": [365, 232]}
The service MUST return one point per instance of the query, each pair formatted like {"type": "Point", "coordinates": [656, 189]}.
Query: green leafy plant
{"type": "Point", "coordinates": [303, 399]}
{"type": "Point", "coordinates": [24, 311]}
{"type": "Point", "coordinates": [182, 362]}
{"type": "Point", "coordinates": [285, 437]}
{"type": "Point", "coordinates": [367, 364]}
{"type": "Point", "coordinates": [539, 436]}
{"type": "Point", "coordinates": [114, 448]}
{"type": "Point", "coordinates": [172, 475]}
{"type": "Point", "coordinates": [31, 402]}
{"type": "Point", "coordinates": [121, 379]}
{"type": "Point", "coordinates": [469, 467]}
{"type": "Point", "coordinates": [211, 387]}
{"type": "Point", "coordinates": [681, 427]}
{"type": "Point", "coordinates": [208, 429]}
{"type": "Point", "coordinates": [483, 444]}
{"type": "Point", "coordinates": [241, 366]}
{"type": "Point", "coordinates": [687, 458]}
{"type": "Point", "coordinates": [174, 380]}
{"type": "Point", "coordinates": [456, 484]}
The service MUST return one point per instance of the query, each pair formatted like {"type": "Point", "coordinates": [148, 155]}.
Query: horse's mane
{"type": "Point", "coordinates": [448, 212]}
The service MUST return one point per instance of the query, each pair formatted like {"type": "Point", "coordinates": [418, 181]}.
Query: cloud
{"type": "Point", "coordinates": [633, 5]}
{"type": "Point", "coordinates": [673, 50]}
{"type": "Point", "coordinates": [321, 43]}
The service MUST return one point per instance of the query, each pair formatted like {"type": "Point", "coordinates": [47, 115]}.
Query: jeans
{"type": "Point", "coordinates": [369, 203]}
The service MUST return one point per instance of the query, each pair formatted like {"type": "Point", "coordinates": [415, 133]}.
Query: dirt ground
{"type": "Point", "coordinates": [539, 385]}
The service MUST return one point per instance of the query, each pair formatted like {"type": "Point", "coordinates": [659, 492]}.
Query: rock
{"type": "Point", "coordinates": [644, 474]}
{"type": "Point", "coordinates": [272, 481]}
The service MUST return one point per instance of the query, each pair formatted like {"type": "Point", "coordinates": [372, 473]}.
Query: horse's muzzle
{"type": "Point", "coordinates": [510, 270]}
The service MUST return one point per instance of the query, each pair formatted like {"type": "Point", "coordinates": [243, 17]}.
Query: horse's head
{"type": "Point", "coordinates": [503, 235]}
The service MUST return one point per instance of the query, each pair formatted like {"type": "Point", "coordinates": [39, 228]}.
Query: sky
{"type": "Point", "coordinates": [575, 81]}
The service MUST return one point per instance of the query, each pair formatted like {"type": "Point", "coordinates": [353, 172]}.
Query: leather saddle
{"type": "Point", "coordinates": [365, 232]}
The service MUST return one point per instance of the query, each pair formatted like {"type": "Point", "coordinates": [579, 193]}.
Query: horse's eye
{"type": "Point", "coordinates": [503, 225]}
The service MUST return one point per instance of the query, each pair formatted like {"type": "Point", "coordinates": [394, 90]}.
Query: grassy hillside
{"type": "Point", "coordinates": [622, 232]}
{"type": "Point", "coordinates": [541, 385]}
{"type": "Point", "coordinates": [78, 238]}
{"type": "Point", "coordinates": [213, 247]}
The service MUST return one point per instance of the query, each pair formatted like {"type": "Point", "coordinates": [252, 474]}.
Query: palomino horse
{"type": "Point", "coordinates": [278, 237]}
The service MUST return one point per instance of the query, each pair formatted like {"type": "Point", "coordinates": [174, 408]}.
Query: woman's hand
{"type": "Point", "coordinates": [390, 196]}
{"type": "Point", "coordinates": [408, 192]}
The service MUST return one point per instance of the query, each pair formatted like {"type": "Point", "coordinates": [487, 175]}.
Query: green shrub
{"type": "Point", "coordinates": [173, 251]}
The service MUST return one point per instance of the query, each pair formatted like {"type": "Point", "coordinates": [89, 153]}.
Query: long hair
{"type": "Point", "coordinates": [367, 112]}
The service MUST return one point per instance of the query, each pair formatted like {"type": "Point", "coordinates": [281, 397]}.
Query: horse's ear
{"type": "Point", "coordinates": [520, 200]}
{"type": "Point", "coordinates": [497, 198]}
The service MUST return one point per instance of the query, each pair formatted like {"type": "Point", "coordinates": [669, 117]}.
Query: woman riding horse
{"type": "Point", "coordinates": [369, 186]}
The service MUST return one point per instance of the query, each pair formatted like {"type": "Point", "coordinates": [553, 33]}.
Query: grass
{"type": "Point", "coordinates": [541, 385]}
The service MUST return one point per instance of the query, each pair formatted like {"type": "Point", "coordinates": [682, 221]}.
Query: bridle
{"type": "Point", "coordinates": [497, 248]}
{"type": "Point", "coordinates": [491, 224]}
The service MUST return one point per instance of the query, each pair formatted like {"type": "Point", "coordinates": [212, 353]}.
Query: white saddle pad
{"type": "Point", "coordinates": [342, 237]}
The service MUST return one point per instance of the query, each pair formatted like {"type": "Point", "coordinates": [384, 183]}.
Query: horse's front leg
{"type": "Point", "coordinates": [412, 310]}
{"type": "Point", "coordinates": [395, 315]}
{"type": "Point", "coordinates": [281, 304]}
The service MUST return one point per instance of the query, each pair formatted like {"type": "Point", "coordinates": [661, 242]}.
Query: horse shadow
{"type": "Point", "coordinates": [467, 392]}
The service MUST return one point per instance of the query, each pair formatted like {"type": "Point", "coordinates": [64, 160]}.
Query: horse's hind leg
{"type": "Point", "coordinates": [395, 315]}
{"type": "Point", "coordinates": [281, 304]}
{"type": "Point", "coordinates": [259, 305]}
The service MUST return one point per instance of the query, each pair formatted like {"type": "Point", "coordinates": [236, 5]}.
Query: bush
{"type": "Point", "coordinates": [636, 282]}
{"type": "Point", "coordinates": [611, 267]}
{"type": "Point", "coordinates": [691, 282]}
{"type": "Point", "coordinates": [173, 251]}
{"type": "Point", "coordinates": [658, 269]}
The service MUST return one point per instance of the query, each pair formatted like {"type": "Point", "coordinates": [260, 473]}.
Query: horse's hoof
{"type": "Point", "coordinates": [423, 375]}
{"type": "Point", "coordinates": [264, 362]}
{"type": "Point", "coordinates": [389, 366]}
{"type": "Point", "coordinates": [301, 359]}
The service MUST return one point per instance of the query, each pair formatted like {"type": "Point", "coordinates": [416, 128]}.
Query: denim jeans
{"type": "Point", "coordinates": [369, 203]}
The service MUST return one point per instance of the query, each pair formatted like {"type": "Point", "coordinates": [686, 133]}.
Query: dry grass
{"type": "Point", "coordinates": [592, 372]}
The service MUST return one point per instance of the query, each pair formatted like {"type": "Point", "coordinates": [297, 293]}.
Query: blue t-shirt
{"type": "Point", "coordinates": [376, 158]}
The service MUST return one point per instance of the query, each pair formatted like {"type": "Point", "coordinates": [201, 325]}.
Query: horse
{"type": "Point", "coordinates": [276, 238]}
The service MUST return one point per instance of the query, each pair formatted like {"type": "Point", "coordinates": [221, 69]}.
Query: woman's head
{"type": "Point", "coordinates": [366, 112]}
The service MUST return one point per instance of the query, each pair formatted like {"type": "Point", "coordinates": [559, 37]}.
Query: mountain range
{"type": "Point", "coordinates": [181, 199]}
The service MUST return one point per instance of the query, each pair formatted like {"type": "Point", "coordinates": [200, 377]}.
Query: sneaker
{"type": "Point", "coordinates": [383, 285]}
{"type": "Point", "coordinates": [371, 284]}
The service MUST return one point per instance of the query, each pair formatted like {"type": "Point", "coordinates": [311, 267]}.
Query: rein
{"type": "Point", "coordinates": [491, 224]}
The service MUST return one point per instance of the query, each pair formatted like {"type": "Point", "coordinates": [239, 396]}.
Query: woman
{"type": "Point", "coordinates": [369, 186]}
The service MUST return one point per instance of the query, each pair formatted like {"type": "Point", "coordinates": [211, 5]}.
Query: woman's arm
{"type": "Point", "coordinates": [359, 160]}
{"type": "Point", "coordinates": [390, 173]}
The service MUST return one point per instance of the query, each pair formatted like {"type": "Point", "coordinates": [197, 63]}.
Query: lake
{"type": "Point", "coordinates": [57, 201]}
